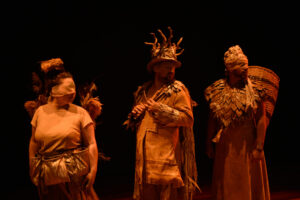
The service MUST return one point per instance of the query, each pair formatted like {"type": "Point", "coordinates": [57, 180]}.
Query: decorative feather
{"type": "Point", "coordinates": [37, 84]}
{"type": "Point", "coordinates": [52, 64]}
{"type": "Point", "coordinates": [90, 103]}
{"type": "Point", "coordinates": [30, 107]}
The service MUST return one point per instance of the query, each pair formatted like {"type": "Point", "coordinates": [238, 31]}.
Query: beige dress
{"type": "Point", "coordinates": [235, 175]}
{"type": "Point", "coordinates": [57, 131]}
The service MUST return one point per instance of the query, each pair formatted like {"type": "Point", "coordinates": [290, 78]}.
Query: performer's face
{"type": "Point", "coordinates": [66, 99]}
{"type": "Point", "coordinates": [165, 71]}
{"type": "Point", "coordinates": [241, 71]}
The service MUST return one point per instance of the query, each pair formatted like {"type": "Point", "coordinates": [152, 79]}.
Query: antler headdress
{"type": "Point", "coordinates": [164, 51]}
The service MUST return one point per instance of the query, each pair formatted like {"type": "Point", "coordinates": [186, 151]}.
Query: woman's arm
{"type": "Point", "coordinates": [261, 127]}
{"type": "Point", "coordinates": [211, 132]}
{"type": "Point", "coordinates": [90, 142]}
{"type": "Point", "coordinates": [33, 145]}
{"type": "Point", "coordinates": [33, 148]}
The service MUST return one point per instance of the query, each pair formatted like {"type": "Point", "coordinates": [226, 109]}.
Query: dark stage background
{"type": "Point", "coordinates": [104, 42]}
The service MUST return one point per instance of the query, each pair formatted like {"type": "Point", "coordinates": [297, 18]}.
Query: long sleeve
{"type": "Point", "coordinates": [180, 114]}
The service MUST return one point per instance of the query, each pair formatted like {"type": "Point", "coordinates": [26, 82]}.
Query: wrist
{"type": "Point", "coordinates": [259, 146]}
{"type": "Point", "coordinates": [93, 171]}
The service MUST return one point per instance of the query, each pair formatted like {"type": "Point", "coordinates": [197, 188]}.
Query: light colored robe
{"type": "Point", "coordinates": [160, 156]}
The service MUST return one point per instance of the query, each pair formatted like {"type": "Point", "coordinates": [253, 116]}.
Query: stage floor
{"type": "Point", "coordinates": [276, 195]}
{"type": "Point", "coordinates": [124, 193]}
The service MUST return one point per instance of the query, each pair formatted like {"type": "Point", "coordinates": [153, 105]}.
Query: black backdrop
{"type": "Point", "coordinates": [105, 43]}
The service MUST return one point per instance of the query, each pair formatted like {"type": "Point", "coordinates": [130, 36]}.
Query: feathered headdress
{"type": "Point", "coordinates": [41, 86]}
{"type": "Point", "coordinates": [52, 64]}
{"type": "Point", "coordinates": [90, 103]}
{"type": "Point", "coordinates": [41, 83]}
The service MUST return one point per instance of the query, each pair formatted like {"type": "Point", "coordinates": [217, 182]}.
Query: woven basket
{"type": "Point", "coordinates": [268, 80]}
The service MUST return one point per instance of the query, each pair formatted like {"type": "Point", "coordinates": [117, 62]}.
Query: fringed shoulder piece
{"type": "Point", "coordinates": [259, 90]}
{"type": "Point", "coordinates": [232, 104]}
{"type": "Point", "coordinates": [180, 87]}
{"type": "Point", "coordinates": [214, 90]}
{"type": "Point", "coordinates": [165, 92]}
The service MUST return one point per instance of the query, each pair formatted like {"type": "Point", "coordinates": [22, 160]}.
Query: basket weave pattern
{"type": "Point", "coordinates": [267, 79]}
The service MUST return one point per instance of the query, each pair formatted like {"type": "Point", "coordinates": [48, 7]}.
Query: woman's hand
{"type": "Point", "coordinates": [90, 141]}
{"type": "Point", "coordinates": [89, 180]}
{"type": "Point", "coordinates": [257, 155]}
{"type": "Point", "coordinates": [31, 169]}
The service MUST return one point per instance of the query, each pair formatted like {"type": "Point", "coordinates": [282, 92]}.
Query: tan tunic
{"type": "Point", "coordinates": [157, 152]}
{"type": "Point", "coordinates": [59, 129]}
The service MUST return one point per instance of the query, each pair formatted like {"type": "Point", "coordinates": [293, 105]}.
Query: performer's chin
{"type": "Point", "coordinates": [170, 78]}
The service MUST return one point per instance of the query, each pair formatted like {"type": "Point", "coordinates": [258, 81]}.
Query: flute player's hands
{"type": "Point", "coordinates": [152, 105]}
{"type": "Point", "coordinates": [138, 110]}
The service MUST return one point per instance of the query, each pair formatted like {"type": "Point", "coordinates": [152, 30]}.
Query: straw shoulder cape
{"type": "Point", "coordinates": [231, 104]}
